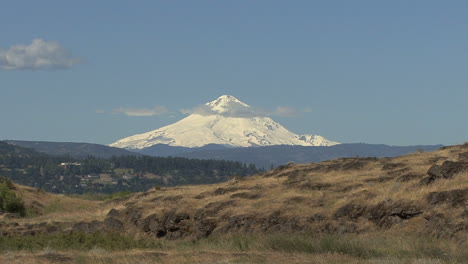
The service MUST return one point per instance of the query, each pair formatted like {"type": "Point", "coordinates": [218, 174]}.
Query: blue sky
{"type": "Point", "coordinates": [391, 72]}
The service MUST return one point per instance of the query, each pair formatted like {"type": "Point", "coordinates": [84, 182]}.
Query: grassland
{"type": "Point", "coordinates": [357, 210]}
{"type": "Point", "coordinates": [273, 248]}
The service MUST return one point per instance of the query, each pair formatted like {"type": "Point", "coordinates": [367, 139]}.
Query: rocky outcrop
{"type": "Point", "coordinates": [384, 214]}
{"type": "Point", "coordinates": [387, 214]}
{"type": "Point", "coordinates": [445, 171]}
{"type": "Point", "coordinates": [170, 225]}
{"type": "Point", "coordinates": [458, 197]}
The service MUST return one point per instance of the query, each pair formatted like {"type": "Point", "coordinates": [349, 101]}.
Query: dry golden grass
{"type": "Point", "coordinates": [176, 257]}
{"type": "Point", "coordinates": [281, 248]}
{"type": "Point", "coordinates": [275, 194]}
{"type": "Point", "coordinates": [47, 207]}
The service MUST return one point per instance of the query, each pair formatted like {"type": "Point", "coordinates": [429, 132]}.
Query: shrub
{"type": "Point", "coordinates": [10, 202]}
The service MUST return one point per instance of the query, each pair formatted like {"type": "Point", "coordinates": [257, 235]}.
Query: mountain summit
{"type": "Point", "coordinates": [224, 121]}
{"type": "Point", "coordinates": [227, 103]}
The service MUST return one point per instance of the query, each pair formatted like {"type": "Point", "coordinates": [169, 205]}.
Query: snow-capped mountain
{"type": "Point", "coordinates": [224, 121]}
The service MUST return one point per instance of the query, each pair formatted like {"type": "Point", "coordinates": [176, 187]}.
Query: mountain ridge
{"type": "Point", "coordinates": [267, 156]}
{"type": "Point", "coordinates": [74, 149]}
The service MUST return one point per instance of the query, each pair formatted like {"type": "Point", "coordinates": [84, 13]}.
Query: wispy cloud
{"type": "Point", "coordinates": [205, 110]}
{"type": "Point", "coordinates": [234, 111]}
{"type": "Point", "coordinates": [285, 111]}
{"type": "Point", "coordinates": [246, 112]}
{"type": "Point", "coordinates": [157, 110]}
{"type": "Point", "coordinates": [39, 55]}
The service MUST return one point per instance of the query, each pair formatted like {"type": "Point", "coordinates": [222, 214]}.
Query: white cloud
{"type": "Point", "coordinates": [157, 110]}
{"type": "Point", "coordinates": [38, 55]}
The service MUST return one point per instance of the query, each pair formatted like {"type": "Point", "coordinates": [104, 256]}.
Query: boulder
{"type": "Point", "coordinates": [113, 213]}
{"type": "Point", "coordinates": [111, 223]}
{"type": "Point", "coordinates": [132, 216]}
{"type": "Point", "coordinates": [80, 227]}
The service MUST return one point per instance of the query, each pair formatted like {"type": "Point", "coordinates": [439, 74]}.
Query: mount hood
{"type": "Point", "coordinates": [224, 121]}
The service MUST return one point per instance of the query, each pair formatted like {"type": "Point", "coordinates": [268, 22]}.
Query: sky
{"type": "Point", "coordinates": [381, 72]}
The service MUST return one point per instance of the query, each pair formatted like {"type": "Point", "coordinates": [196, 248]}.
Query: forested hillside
{"type": "Point", "coordinates": [73, 149]}
{"type": "Point", "coordinates": [64, 174]}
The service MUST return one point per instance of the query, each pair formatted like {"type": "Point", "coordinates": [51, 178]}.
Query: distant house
{"type": "Point", "coordinates": [69, 164]}
{"type": "Point", "coordinates": [93, 176]}
{"type": "Point", "coordinates": [127, 176]}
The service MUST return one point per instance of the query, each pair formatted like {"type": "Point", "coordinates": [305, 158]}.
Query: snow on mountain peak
{"type": "Point", "coordinates": [226, 103]}
{"type": "Point", "coordinates": [229, 122]}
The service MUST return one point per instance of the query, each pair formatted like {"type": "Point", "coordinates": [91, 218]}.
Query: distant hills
{"type": "Point", "coordinates": [268, 156]}
{"type": "Point", "coordinates": [77, 150]}
{"type": "Point", "coordinates": [262, 157]}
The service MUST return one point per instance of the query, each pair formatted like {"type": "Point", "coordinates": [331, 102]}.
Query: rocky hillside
{"type": "Point", "coordinates": [424, 193]}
